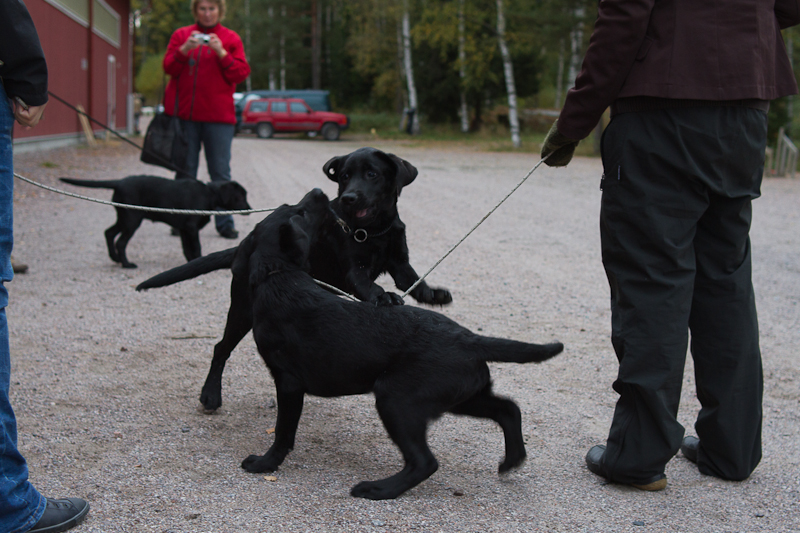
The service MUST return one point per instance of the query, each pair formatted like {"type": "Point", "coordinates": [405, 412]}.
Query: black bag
{"type": "Point", "coordinates": [165, 144]}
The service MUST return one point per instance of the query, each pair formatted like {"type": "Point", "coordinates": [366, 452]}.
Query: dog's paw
{"type": "Point", "coordinates": [511, 463]}
{"type": "Point", "coordinates": [389, 298]}
{"type": "Point", "coordinates": [129, 265]}
{"type": "Point", "coordinates": [431, 296]}
{"type": "Point", "coordinates": [211, 401]}
{"type": "Point", "coordinates": [442, 296]}
{"type": "Point", "coordinates": [257, 464]}
{"type": "Point", "coordinates": [375, 490]}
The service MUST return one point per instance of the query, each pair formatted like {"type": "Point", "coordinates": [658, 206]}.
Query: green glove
{"type": "Point", "coordinates": [558, 145]}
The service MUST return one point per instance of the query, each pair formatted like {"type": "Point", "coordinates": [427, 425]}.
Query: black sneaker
{"type": "Point", "coordinates": [229, 233]}
{"type": "Point", "coordinates": [61, 515]}
{"type": "Point", "coordinates": [594, 461]}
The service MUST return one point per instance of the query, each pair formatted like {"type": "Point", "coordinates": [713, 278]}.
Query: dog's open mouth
{"type": "Point", "coordinates": [363, 213]}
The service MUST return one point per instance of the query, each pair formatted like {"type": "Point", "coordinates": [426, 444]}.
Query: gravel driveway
{"type": "Point", "coordinates": [105, 380]}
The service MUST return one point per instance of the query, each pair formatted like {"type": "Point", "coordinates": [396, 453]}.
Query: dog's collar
{"type": "Point", "coordinates": [360, 234]}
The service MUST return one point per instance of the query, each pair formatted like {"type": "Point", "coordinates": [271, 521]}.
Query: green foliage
{"type": "Point", "coordinates": [150, 79]}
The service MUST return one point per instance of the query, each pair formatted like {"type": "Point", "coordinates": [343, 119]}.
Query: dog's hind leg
{"type": "Point", "coordinates": [506, 413]}
{"type": "Point", "coordinates": [110, 233]}
{"type": "Point", "coordinates": [407, 426]}
{"type": "Point", "coordinates": [240, 321]}
{"type": "Point", "coordinates": [122, 243]}
{"type": "Point", "coordinates": [290, 407]}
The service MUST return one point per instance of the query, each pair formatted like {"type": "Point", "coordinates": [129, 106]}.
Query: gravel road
{"type": "Point", "coordinates": [105, 380]}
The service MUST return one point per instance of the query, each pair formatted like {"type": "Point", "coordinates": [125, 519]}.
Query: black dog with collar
{"type": "Point", "coordinates": [367, 240]}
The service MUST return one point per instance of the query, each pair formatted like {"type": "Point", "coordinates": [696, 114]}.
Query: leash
{"type": "Point", "coordinates": [487, 215]}
{"type": "Point", "coordinates": [142, 207]}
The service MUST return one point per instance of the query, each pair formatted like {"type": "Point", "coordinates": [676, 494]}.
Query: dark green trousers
{"type": "Point", "coordinates": [675, 222]}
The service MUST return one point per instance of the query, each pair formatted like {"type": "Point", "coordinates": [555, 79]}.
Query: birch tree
{"type": "Point", "coordinates": [462, 66]}
{"type": "Point", "coordinates": [408, 67]}
{"type": "Point", "coordinates": [508, 71]}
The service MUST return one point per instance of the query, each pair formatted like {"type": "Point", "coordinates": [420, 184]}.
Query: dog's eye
{"type": "Point", "coordinates": [371, 174]}
{"type": "Point", "coordinates": [345, 177]}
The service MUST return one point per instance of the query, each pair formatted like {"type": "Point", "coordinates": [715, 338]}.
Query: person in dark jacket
{"type": "Point", "coordinates": [689, 85]}
{"type": "Point", "coordinates": [205, 61]}
{"type": "Point", "coordinates": [23, 96]}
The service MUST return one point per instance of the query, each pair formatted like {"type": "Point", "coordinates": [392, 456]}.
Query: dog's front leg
{"type": "Point", "coordinates": [405, 276]}
{"type": "Point", "coordinates": [290, 406]}
{"type": "Point", "coordinates": [368, 291]}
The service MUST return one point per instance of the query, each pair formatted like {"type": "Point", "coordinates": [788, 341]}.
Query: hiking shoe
{"type": "Point", "coordinates": [61, 515]}
{"type": "Point", "coordinates": [689, 448]}
{"type": "Point", "coordinates": [229, 233]}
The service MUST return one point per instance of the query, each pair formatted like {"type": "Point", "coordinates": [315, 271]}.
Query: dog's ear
{"type": "Point", "coordinates": [406, 172]}
{"type": "Point", "coordinates": [294, 241]}
{"type": "Point", "coordinates": [332, 167]}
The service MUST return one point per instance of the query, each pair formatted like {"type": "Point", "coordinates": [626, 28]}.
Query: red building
{"type": "Point", "coordinates": [88, 45]}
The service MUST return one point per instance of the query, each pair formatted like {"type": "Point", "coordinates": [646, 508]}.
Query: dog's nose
{"type": "Point", "coordinates": [348, 198]}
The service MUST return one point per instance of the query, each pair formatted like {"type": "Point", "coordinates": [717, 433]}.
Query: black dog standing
{"type": "Point", "coordinates": [153, 191]}
{"type": "Point", "coordinates": [418, 363]}
{"type": "Point", "coordinates": [368, 240]}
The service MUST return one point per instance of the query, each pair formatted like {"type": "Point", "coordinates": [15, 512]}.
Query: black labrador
{"type": "Point", "coordinates": [364, 239]}
{"type": "Point", "coordinates": [153, 191]}
{"type": "Point", "coordinates": [418, 363]}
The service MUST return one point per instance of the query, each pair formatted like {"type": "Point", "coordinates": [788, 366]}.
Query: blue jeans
{"type": "Point", "coordinates": [216, 140]}
{"type": "Point", "coordinates": [21, 506]}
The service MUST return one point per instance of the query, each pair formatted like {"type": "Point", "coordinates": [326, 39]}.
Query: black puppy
{"type": "Point", "coordinates": [368, 240]}
{"type": "Point", "coordinates": [418, 363]}
{"type": "Point", "coordinates": [153, 191]}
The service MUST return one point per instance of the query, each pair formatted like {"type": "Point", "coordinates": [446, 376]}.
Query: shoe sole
{"type": "Point", "coordinates": [652, 487]}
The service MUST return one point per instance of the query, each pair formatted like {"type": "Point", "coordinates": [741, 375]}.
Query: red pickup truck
{"type": "Point", "coordinates": [266, 116]}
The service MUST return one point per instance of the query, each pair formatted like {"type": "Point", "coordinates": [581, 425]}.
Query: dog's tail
{"type": "Point", "coordinates": [192, 269]}
{"type": "Point", "coordinates": [95, 184]}
{"type": "Point", "coordinates": [510, 351]}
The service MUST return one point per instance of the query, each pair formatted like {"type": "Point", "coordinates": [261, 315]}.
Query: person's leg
{"type": "Point", "coordinates": [648, 215]}
{"type": "Point", "coordinates": [193, 132]}
{"type": "Point", "coordinates": [217, 141]}
{"type": "Point", "coordinates": [723, 322]}
{"type": "Point", "coordinates": [21, 505]}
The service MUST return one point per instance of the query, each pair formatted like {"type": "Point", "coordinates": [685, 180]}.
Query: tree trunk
{"type": "Point", "coordinates": [462, 72]}
{"type": "Point", "coordinates": [248, 81]}
{"type": "Point", "coordinates": [508, 70]}
{"type": "Point", "coordinates": [282, 47]}
{"type": "Point", "coordinates": [409, 69]}
{"type": "Point", "coordinates": [316, 44]}
{"type": "Point", "coordinates": [576, 47]}
{"type": "Point", "coordinates": [271, 52]}
{"type": "Point", "coordinates": [560, 75]}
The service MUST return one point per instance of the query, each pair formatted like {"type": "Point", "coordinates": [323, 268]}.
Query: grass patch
{"type": "Point", "coordinates": [492, 137]}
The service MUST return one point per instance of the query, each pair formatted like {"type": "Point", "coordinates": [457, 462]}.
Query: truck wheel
{"type": "Point", "coordinates": [265, 130]}
{"type": "Point", "coordinates": [330, 132]}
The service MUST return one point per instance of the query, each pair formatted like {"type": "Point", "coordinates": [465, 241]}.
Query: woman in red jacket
{"type": "Point", "coordinates": [205, 61]}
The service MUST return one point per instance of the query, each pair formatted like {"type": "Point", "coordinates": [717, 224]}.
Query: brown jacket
{"type": "Point", "coordinates": [681, 49]}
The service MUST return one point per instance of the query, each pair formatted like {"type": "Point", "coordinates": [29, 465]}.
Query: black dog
{"type": "Point", "coordinates": [418, 363]}
{"type": "Point", "coordinates": [368, 240]}
{"type": "Point", "coordinates": [152, 191]}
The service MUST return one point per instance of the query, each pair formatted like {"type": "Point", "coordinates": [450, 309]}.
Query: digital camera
{"type": "Point", "coordinates": [203, 37]}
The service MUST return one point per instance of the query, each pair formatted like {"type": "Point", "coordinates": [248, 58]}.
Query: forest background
{"type": "Point", "coordinates": [469, 68]}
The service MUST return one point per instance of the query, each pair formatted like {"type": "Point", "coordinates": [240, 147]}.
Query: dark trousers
{"type": "Point", "coordinates": [675, 221]}
{"type": "Point", "coordinates": [216, 140]}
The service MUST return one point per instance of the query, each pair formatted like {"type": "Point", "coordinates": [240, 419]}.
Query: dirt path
{"type": "Point", "coordinates": [105, 381]}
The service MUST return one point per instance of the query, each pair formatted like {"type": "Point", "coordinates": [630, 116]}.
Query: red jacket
{"type": "Point", "coordinates": [681, 49]}
{"type": "Point", "coordinates": [205, 83]}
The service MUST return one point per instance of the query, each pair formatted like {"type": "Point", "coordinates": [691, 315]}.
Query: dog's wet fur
{"type": "Point", "coordinates": [370, 182]}
{"type": "Point", "coordinates": [154, 191]}
{"type": "Point", "coordinates": [418, 363]}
